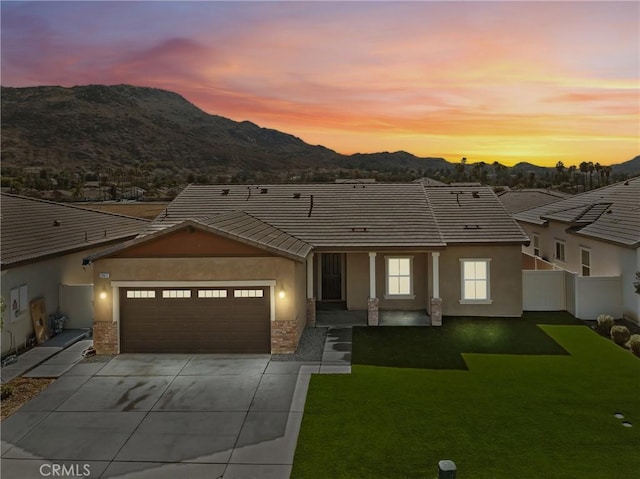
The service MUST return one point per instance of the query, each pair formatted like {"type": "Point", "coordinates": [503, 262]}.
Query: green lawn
{"type": "Point", "coordinates": [542, 412]}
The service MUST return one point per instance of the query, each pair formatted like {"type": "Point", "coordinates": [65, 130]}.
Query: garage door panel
{"type": "Point", "coordinates": [196, 324]}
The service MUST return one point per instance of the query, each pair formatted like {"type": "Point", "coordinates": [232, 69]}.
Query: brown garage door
{"type": "Point", "coordinates": [195, 320]}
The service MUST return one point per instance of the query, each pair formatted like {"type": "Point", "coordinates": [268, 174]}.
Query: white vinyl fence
{"type": "Point", "coordinates": [559, 290]}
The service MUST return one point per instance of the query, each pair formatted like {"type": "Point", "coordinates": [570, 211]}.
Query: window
{"type": "Point", "coordinates": [536, 244]}
{"type": "Point", "coordinates": [560, 255]}
{"type": "Point", "coordinates": [212, 293]}
{"type": "Point", "coordinates": [141, 294]}
{"type": "Point", "coordinates": [399, 281]}
{"type": "Point", "coordinates": [248, 293]}
{"type": "Point", "coordinates": [585, 261]}
{"type": "Point", "coordinates": [475, 280]}
{"type": "Point", "coordinates": [176, 293]}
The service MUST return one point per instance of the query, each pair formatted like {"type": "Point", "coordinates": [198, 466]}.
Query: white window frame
{"type": "Point", "coordinates": [176, 293]}
{"type": "Point", "coordinates": [582, 264]}
{"type": "Point", "coordinates": [562, 244]}
{"type": "Point", "coordinates": [212, 293]}
{"type": "Point", "coordinates": [536, 244]}
{"type": "Point", "coordinates": [141, 294]}
{"type": "Point", "coordinates": [487, 281]}
{"type": "Point", "coordinates": [388, 295]}
{"type": "Point", "coordinates": [248, 293]}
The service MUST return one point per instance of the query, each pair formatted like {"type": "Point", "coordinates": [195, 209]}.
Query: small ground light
{"type": "Point", "coordinates": [626, 424]}
{"type": "Point", "coordinates": [618, 415]}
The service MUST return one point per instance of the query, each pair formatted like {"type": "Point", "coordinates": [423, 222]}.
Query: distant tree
{"type": "Point", "coordinates": [599, 174]}
{"type": "Point", "coordinates": [560, 169]}
{"type": "Point", "coordinates": [460, 173]}
{"type": "Point", "coordinates": [590, 168]}
{"type": "Point", "coordinates": [584, 168]}
{"type": "Point", "coordinates": [607, 172]}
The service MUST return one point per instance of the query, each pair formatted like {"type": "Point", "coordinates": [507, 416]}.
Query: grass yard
{"type": "Point", "coordinates": [517, 401]}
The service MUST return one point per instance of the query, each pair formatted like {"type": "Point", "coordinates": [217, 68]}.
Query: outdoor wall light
{"type": "Point", "coordinates": [103, 293]}
{"type": "Point", "coordinates": [281, 294]}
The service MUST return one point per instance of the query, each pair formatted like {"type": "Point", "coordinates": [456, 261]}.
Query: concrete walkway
{"type": "Point", "coordinates": [167, 416]}
{"type": "Point", "coordinates": [52, 352]}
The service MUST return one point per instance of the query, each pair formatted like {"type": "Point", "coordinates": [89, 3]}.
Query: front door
{"type": "Point", "coordinates": [332, 276]}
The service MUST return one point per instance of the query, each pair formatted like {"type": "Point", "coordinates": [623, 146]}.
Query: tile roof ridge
{"type": "Point", "coordinates": [73, 206]}
{"type": "Point", "coordinates": [230, 212]}
{"type": "Point", "coordinates": [431, 211]}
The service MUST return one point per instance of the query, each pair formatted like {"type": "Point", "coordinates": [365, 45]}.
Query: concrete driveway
{"type": "Point", "coordinates": [162, 416]}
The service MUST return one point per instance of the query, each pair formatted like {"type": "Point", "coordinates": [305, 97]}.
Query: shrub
{"type": "Point", "coordinates": [620, 335]}
{"type": "Point", "coordinates": [604, 324]}
{"type": "Point", "coordinates": [6, 391]}
{"type": "Point", "coordinates": [634, 344]}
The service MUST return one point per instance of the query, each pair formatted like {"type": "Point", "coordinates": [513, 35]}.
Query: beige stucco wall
{"type": "Point", "coordinates": [286, 273]}
{"type": "Point", "coordinates": [357, 281]}
{"type": "Point", "coordinates": [606, 259]}
{"type": "Point", "coordinates": [505, 280]}
{"type": "Point", "coordinates": [43, 279]}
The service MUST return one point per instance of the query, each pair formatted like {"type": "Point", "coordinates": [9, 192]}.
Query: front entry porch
{"type": "Point", "coordinates": [342, 317]}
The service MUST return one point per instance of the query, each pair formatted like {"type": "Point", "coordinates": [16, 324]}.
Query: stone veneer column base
{"type": "Point", "coordinates": [372, 312]}
{"type": "Point", "coordinates": [436, 312]}
{"type": "Point", "coordinates": [105, 337]}
{"type": "Point", "coordinates": [311, 312]}
{"type": "Point", "coordinates": [284, 337]}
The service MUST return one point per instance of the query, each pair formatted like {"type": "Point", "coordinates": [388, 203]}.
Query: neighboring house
{"type": "Point", "coordinates": [594, 235]}
{"type": "Point", "coordinates": [524, 199]}
{"type": "Point", "coordinates": [43, 244]}
{"type": "Point", "coordinates": [236, 268]}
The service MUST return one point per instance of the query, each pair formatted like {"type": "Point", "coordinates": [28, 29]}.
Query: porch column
{"type": "Point", "coordinates": [311, 300]}
{"type": "Point", "coordinates": [372, 304]}
{"type": "Point", "coordinates": [436, 301]}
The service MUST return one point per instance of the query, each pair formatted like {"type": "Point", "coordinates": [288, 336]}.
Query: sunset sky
{"type": "Point", "coordinates": [491, 81]}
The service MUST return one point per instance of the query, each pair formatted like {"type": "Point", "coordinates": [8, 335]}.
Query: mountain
{"type": "Point", "coordinates": [113, 126]}
{"type": "Point", "coordinates": [398, 159]}
{"type": "Point", "coordinates": [631, 167]}
{"type": "Point", "coordinates": [98, 127]}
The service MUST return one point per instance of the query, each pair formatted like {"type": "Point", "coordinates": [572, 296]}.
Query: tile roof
{"type": "Point", "coordinates": [611, 213]}
{"type": "Point", "coordinates": [324, 215]}
{"type": "Point", "coordinates": [472, 214]}
{"type": "Point", "coordinates": [33, 228]}
{"type": "Point", "coordinates": [243, 226]}
{"type": "Point", "coordinates": [520, 200]}
{"type": "Point", "coordinates": [356, 216]}
{"type": "Point", "coordinates": [236, 225]}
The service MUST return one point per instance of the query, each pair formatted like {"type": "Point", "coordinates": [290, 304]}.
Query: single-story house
{"type": "Point", "coordinates": [592, 234]}
{"type": "Point", "coordinates": [43, 244]}
{"type": "Point", "coordinates": [237, 268]}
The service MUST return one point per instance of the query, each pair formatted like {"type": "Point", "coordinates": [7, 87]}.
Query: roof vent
{"type": "Point", "coordinates": [56, 223]}
{"type": "Point", "coordinates": [475, 194]}
{"type": "Point", "coordinates": [359, 230]}
{"type": "Point", "coordinates": [471, 227]}
{"type": "Point", "coordinates": [296, 195]}
{"type": "Point", "coordinates": [225, 192]}
{"type": "Point", "coordinates": [264, 191]}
